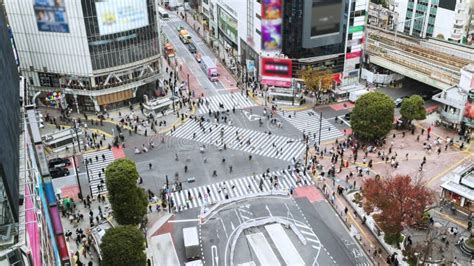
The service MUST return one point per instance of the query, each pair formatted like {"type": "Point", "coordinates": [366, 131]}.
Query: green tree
{"type": "Point", "coordinates": [413, 108]}
{"type": "Point", "coordinates": [317, 80]}
{"type": "Point", "coordinates": [124, 245]}
{"type": "Point", "coordinates": [128, 201]}
{"type": "Point", "coordinates": [372, 117]}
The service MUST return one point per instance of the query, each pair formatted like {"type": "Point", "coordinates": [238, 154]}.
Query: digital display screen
{"type": "Point", "coordinates": [121, 15]}
{"type": "Point", "coordinates": [326, 17]}
{"type": "Point", "coordinates": [51, 16]}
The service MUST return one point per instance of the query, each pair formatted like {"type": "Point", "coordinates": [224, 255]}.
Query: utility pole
{"type": "Point", "coordinates": [320, 127]}
{"type": "Point", "coordinates": [74, 160]}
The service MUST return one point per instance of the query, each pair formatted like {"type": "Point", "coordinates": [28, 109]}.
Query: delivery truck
{"type": "Point", "coordinates": [191, 243]}
{"type": "Point", "coordinates": [209, 68]}
{"type": "Point", "coordinates": [354, 95]}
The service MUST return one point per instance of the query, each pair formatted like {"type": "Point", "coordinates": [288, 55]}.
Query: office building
{"type": "Point", "coordinates": [317, 33]}
{"type": "Point", "coordinates": [88, 55]}
{"type": "Point", "coordinates": [450, 20]}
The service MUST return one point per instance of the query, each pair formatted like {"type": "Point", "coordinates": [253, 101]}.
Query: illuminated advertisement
{"type": "Point", "coordinates": [121, 15]}
{"type": "Point", "coordinates": [271, 25]}
{"type": "Point", "coordinates": [51, 16]}
{"type": "Point", "coordinates": [277, 72]}
{"type": "Point", "coordinates": [469, 109]}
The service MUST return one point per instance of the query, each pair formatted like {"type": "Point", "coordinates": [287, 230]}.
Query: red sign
{"type": "Point", "coordinates": [354, 55]}
{"type": "Point", "coordinates": [277, 67]}
{"type": "Point", "coordinates": [276, 71]}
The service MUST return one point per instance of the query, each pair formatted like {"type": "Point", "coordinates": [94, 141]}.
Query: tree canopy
{"type": "Point", "coordinates": [124, 245]}
{"type": "Point", "coordinates": [401, 202]}
{"type": "Point", "coordinates": [372, 116]}
{"type": "Point", "coordinates": [128, 201]}
{"type": "Point", "coordinates": [413, 108]}
{"type": "Point", "coordinates": [317, 79]}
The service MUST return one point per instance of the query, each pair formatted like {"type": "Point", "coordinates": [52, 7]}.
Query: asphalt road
{"type": "Point", "coordinates": [327, 241]}
{"type": "Point", "coordinates": [186, 57]}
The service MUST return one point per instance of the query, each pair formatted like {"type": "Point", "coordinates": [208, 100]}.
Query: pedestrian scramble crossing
{"type": "Point", "coordinates": [96, 175]}
{"type": "Point", "coordinates": [213, 193]}
{"type": "Point", "coordinates": [228, 100]}
{"type": "Point", "coordinates": [241, 139]}
{"type": "Point", "coordinates": [308, 123]}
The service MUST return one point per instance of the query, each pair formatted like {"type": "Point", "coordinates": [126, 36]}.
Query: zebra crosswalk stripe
{"type": "Point", "coordinates": [308, 122]}
{"type": "Point", "coordinates": [218, 191]}
{"type": "Point", "coordinates": [229, 101]}
{"type": "Point", "coordinates": [273, 146]}
{"type": "Point", "coordinates": [96, 167]}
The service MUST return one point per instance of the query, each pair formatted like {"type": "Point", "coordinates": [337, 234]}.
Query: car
{"type": "Point", "coordinates": [191, 48]}
{"type": "Point", "coordinates": [348, 116]}
{"type": "Point", "coordinates": [59, 162]}
{"type": "Point", "coordinates": [399, 100]}
{"type": "Point", "coordinates": [198, 57]}
{"type": "Point", "coordinates": [58, 172]}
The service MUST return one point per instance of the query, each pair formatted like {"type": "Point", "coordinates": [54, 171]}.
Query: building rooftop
{"type": "Point", "coordinates": [461, 182]}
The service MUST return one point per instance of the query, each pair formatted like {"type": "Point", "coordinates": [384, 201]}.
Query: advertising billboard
{"type": "Point", "coordinates": [228, 25]}
{"type": "Point", "coordinates": [276, 72]}
{"type": "Point", "coordinates": [51, 16]}
{"type": "Point", "coordinates": [121, 15]}
{"type": "Point", "coordinates": [326, 17]}
{"type": "Point", "coordinates": [271, 25]}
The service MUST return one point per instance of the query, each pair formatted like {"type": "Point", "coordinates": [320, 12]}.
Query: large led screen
{"type": "Point", "coordinates": [271, 25]}
{"type": "Point", "coordinates": [326, 17]}
{"type": "Point", "coordinates": [121, 15]}
{"type": "Point", "coordinates": [51, 16]}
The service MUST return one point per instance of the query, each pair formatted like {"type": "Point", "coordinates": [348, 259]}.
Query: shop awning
{"type": "Point", "coordinates": [459, 189]}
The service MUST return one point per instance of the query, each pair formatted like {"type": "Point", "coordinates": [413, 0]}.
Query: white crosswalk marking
{"type": "Point", "coordinates": [235, 138]}
{"type": "Point", "coordinates": [218, 191]}
{"type": "Point", "coordinates": [229, 100]}
{"type": "Point", "coordinates": [308, 122]}
{"type": "Point", "coordinates": [96, 175]}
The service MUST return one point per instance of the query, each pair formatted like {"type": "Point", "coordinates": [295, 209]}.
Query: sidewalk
{"type": "Point", "coordinates": [374, 250]}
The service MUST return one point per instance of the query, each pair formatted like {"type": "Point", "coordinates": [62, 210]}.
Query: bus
{"type": "Point", "coordinates": [60, 140]}
{"type": "Point", "coordinates": [163, 13]}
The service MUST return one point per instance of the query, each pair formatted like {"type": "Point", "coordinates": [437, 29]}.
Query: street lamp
{"type": "Point", "coordinates": [74, 160]}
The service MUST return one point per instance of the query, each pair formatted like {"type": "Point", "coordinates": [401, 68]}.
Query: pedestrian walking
{"type": "Point", "coordinates": [150, 166]}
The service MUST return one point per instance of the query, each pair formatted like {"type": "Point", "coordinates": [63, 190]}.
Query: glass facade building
{"type": "Point", "coordinates": [9, 129]}
{"type": "Point", "coordinates": [96, 54]}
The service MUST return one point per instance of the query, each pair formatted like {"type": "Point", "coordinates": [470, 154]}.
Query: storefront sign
{"type": "Point", "coordinates": [51, 16]}
{"type": "Point", "coordinates": [277, 72]}
{"type": "Point", "coordinates": [271, 25]}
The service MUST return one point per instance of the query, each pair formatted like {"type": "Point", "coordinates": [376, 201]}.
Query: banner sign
{"type": "Point", "coordinates": [276, 72]}
{"type": "Point", "coordinates": [51, 16]}
{"type": "Point", "coordinates": [271, 25]}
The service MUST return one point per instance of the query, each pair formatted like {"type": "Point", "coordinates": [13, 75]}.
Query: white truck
{"type": "Point", "coordinates": [210, 68]}
{"type": "Point", "coordinates": [354, 95]}
{"type": "Point", "coordinates": [191, 243]}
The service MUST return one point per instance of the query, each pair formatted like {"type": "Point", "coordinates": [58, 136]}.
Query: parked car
{"type": "Point", "coordinates": [191, 48]}
{"type": "Point", "coordinates": [58, 172]}
{"type": "Point", "coordinates": [59, 162]}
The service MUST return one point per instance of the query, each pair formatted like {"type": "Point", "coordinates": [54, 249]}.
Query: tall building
{"type": "Point", "coordinates": [450, 20]}
{"type": "Point", "coordinates": [87, 54]}
{"type": "Point", "coordinates": [9, 129]}
{"type": "Point", "coordinates": [318, 33]}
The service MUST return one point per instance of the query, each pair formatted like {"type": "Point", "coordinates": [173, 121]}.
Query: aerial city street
{"type": "Point", "coordinates": [232, 132]}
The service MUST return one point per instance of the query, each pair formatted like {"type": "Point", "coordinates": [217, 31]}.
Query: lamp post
{"type": "Point", "coordinates": [74, 160]}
